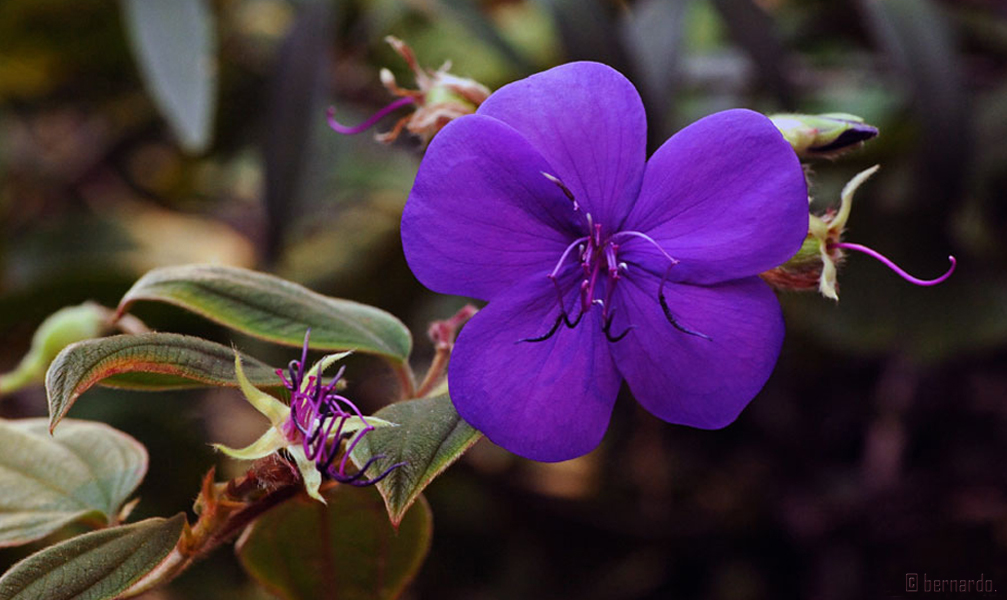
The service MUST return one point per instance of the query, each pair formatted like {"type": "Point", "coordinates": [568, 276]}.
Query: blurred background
{"type": "Point", "coordinates": [140, 134]}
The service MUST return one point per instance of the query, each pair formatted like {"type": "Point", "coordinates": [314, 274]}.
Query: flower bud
{"type": "Point", "coordinates": [827, 135]}
{"type": "Point", "coordinates": [441, 98]}
{"type": "Point", "coordinates": [816, 264]}
{"type": "Point", "coordinates": [59, 330]}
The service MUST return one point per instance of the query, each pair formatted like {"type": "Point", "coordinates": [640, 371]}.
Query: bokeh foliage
{"type": "Point", "coordinates": [875, 450]}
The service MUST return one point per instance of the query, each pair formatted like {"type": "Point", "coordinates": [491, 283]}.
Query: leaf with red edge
{"type": "Point", "coordinates": [151, 361]}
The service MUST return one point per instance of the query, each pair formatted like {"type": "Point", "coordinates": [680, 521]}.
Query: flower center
{"type": "Point", "coordinates": [597, 255]}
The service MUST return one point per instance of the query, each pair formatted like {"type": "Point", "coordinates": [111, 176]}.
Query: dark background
{"type": "Point", "coordinates": [876, 449]}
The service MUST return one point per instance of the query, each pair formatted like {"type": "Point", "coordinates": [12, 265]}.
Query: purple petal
{"type": "Point", "coordinates": [549, 400]}
{"type": "Point", "coordinates": [481, 216]}
{"type": "Point", "coordinates": [726, 196]}
{"type": "Point", "coordinates": [589, 123]}
{"type": "Point", "coordinates": [685, 378]}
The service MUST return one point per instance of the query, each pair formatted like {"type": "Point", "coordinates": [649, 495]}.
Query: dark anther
{"type": "Point", "coordinates": [674, 323]}
{"type": "Point", "coordinates": [356, 480]}
{"type": "Point", "coordinates": [608, 326]}
{"type": "Point", "coordinates": [562, 318]}
{"type": "Point", "coordinates": [562, 186]}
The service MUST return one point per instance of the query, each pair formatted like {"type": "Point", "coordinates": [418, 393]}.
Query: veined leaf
{"type": "Point", "coordinates": [341, 549]}
{"type": "Point", "coordinates": [273, 309]}
{"type": "Point", "coordinates": [151, 361]}
{"type": "Point", "coordinates": [47, 481]}
{"type": "Point", "coordinates": [95, 566]}
{"type": "Point", "coordinates": [175, 44]}
{"type": "Point", "coordinates": [430, 437]}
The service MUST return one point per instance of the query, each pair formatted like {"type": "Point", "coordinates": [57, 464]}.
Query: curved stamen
{"type": "Point", "coordinates": [563, 317]}
{"type": "Point", "coordinates": [894, 267]}
{"type": "Point", "coordinates": [606, 329]}
{"type": "Point", "coordinates": [330, 116]}
{"type": "Point", "coordinates": [566, 253]}
{"type": "Point", "coordinates": [648, 239]}
{"type": "Point", "coordinates": [671, 317]}
{"type": "Point", "coordinates": [562, 186]}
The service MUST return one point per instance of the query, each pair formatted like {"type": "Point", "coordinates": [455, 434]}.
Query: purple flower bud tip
{"type": "Point", "coordinates": [601, 265]}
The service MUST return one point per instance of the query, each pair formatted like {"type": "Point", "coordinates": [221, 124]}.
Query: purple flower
{"type": "Point", "coordinates": [600, 265]}
{"type": "Point", "coordinates": [310, 431]}
{"type": "Point", "coordinates": [319, 417]}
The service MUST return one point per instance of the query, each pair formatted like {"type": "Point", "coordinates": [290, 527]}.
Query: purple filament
{"type": "Point", "coordinates": [319, 415]}
{"type": "Point", "coordinates": [894, 267]}
{"type": "Point", "coordinates": [330, 116]}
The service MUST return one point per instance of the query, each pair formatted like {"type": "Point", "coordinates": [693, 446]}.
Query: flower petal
{"type": "Point", "coordinates": [549, 400]}
{"type": "Point", "coordinates": [726, 196]}
{"type": "Point", "coordinates": [268, 442]}
{"type": "Point", "coordinates": [481, 216]}
{"type": "Point", "coordinates": [688, 379]}
{"type": "Point", "coordinates": [276, 411]}
{"type": "Point", "coordinates": [589, 123]}
{"type": "Point", "coordinates": [309, 472]}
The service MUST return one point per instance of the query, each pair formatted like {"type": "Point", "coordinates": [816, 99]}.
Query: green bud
{"type": "Point", "coordinates": [826, 135]}
{"type": "Point", "coordinates": [62, 328]}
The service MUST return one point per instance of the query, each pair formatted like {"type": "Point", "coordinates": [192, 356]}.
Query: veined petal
{"type": "Point", "coordinates": [587, 119]}
{"type": "Point", "coordinates": [481, 215]}
{"type": "Point", "coordinates": [549, 400]}
{"type": "Point", "coordinates": [274, 410]}
{"type": "Point", "coordinates": [309, 472]}
{"type": "Point", "coordinates": [688, 379]}
{"type": "Point", "coordinates": [726, 196]}
{"type": "Point", "coordinates": [268, 442]}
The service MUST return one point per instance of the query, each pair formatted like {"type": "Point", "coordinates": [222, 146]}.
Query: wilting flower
{"type": "Point", "coordinates": [312, 427]}
{"type": "Point", "coordinates": [600, 265]}
{"type": "Point", "coordinates": [816, 264]}
{"type": "Point", "coordinates": [441, 98]}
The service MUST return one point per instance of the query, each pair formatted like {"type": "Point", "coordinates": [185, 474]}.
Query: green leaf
{"type": "Point", "coordinates": [95, 566]}
{"type": "Point", "coordinates": [273, 309]}
{"type": "Point", "coordinates": [343, 549]}
{"type": "Point", "coordinates": [46, 482]}
{"type": "Point", "coordinates": [430, 437]}
{"type": "Point", "coordinates": [175, 360]}
{"type": "Point", "coordinates": [175, 44]}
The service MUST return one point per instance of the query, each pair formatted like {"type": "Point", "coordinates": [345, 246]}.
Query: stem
{"type": "Point", "coordinates": [437, 368]}
{"type": "Point", "coordinates": [442, 334]}
{"type": "Point", "coordinates": [224, 511]}
{"type": "Point", "coordinates": [407, 382]}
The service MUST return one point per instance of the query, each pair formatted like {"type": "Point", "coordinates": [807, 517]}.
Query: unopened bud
{"type": "Point", "coordinates": [62, 328]}
{"type": "Point", "coordinates": [827, 135]}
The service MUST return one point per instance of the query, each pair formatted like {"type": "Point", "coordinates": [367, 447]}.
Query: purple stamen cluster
{"type": "Point", "coordinates": [317, 417]}
{"type": "Point", "coordinates": [598, 256]}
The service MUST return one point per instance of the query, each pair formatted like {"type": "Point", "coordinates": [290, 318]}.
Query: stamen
{"type": "Point", "coordinates": [606, 329]}
{"type": "Point", "coordinates": [566, 190]}
{"type": "Point", "coordinates": [648, 239]}
{"type": "Point", "coordinates": [330, 116]}
{"type": "Point", "coordinates": [563, 317]}
{"type": "Point", "coordinates": [566, 253]}
{"type": "Point", "coordinates": [894, 267]}
{"type": "Point", "coordinates": [670, 317]}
